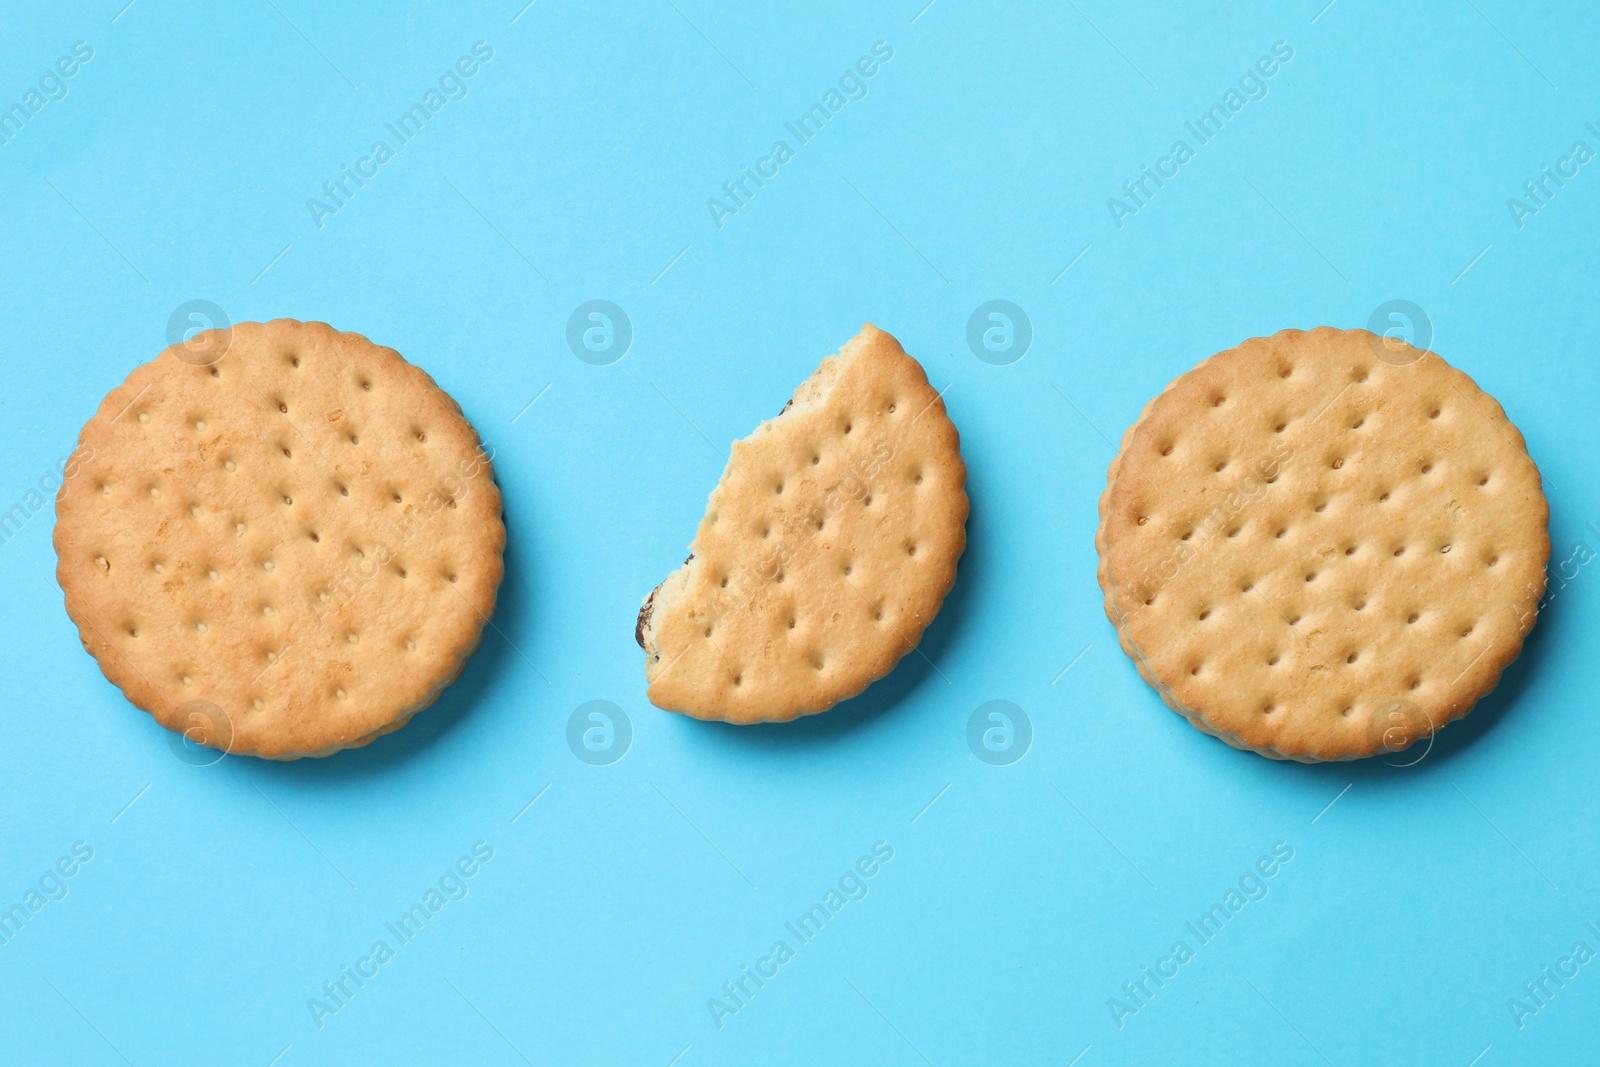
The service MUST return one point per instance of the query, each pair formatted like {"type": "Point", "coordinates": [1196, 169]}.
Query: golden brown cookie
{"type": "Point", "coordinates": [825, 550]}
{"type": "Point", "coordinates": [285, 541]}
{"type": "Point", "coordinates": [1322, 545]}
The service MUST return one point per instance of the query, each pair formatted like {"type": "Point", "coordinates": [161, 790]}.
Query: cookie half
{"type": "Point", "coordinates": [1322, 545]}
{"type": "Point", "coordinates": [280, 540]}
{"type": "Point", "coordinates": [826, 548]}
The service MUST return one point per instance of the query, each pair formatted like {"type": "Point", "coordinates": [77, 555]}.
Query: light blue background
{"type": "Point", "coordinates": [220, 898]}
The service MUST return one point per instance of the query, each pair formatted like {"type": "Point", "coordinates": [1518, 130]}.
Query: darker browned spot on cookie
{"type": "Point", "coordinates": [649, 608]}
{"type": "Point", "coordinates": [644, 616]}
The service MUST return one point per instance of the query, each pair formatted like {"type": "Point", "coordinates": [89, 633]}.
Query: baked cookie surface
{"type": "Point", "coordinates": [282, 541]}
{"type": "Point", "coordinates": [1322, 545]}
{"type": "Point", "coordinates": [825, 550]}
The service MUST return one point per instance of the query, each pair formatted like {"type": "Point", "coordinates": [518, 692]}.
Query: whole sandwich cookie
{"type": "Point", "coordinates": [281, 540]}
{"type": "Point", "coordinates": [825, 550]}
{"type": "Point", "coordinates": [1322, 545]}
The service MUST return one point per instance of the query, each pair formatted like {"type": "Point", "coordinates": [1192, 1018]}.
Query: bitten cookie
{"type": "Point", "coordinates": [1323, 545]}
{"type": "Point", "coordinates": [826, 548]}
{"type": "Point", "coordinates": [286, 540]}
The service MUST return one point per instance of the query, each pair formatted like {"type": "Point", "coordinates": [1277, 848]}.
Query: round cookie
{"type": "Point", "coordinates": [825, 550]}
{"type": "Point", "coordinates": [1322, 545]}
{"type": "Point", "coordinates": [281, 540]}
